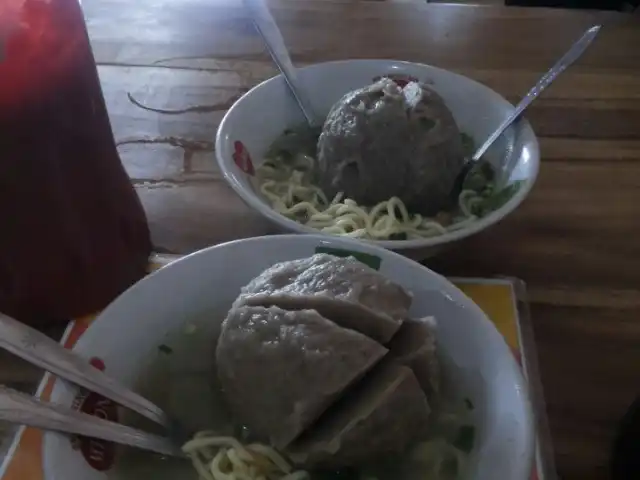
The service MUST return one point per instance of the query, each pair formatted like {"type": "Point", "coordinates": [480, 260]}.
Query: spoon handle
{"type": "Point", "coordinates": [272, 38]}
{"type": "Point", "coordinates": [18, 408]}
{"type": "Point", "coordinates": [40, 350]}
{"type": "Point", "coordinates": [576, 50]}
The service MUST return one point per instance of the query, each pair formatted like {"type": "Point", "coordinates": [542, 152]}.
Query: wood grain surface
{"type": "Point", "coordinates": [574, 241]}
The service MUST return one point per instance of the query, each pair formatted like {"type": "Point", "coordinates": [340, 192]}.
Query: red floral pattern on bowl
{"type": "Point", "coordinates": [242, 158]}
{"type": "Point", "coordinates": [99, 454]}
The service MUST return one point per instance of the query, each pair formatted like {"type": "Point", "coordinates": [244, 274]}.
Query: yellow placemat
{"type": "Point", "coordinates": [497, 298]}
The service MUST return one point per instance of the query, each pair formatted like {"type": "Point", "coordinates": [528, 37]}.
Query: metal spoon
{"type": "Point", "coordinates": [40, 350]}
{"type": "Point", "coordinates": [576, 50]}
{"type": "Point", "coordinates": [272, 38]}
{"type": "Point", "coordinates": [22, 409]}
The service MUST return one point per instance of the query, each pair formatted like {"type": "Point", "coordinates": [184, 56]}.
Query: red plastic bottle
{"type": "Point", "coordinates": [73, 234]}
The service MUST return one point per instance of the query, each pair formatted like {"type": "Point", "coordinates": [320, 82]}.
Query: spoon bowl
{"type": "Point", "coordinates": [505, 166]}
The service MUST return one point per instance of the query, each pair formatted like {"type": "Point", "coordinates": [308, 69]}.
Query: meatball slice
{"type": "Point", "coordinates": [414, 346]}
{"type": "Point", "coordinates": [277, 368]}
{"type": "Point", "coordinates": [384, 415]}
{"type": "Point", "coordinates": [342, 289]}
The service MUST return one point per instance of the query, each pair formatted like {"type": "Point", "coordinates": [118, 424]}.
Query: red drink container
{"type": "Point", "coordinates": [73, 234]}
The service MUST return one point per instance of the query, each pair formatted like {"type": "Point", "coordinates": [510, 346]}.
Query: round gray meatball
{"type": "Point", "coordinates": [383, 141]}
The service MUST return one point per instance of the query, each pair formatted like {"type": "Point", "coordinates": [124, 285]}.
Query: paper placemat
{"type": "Point", "coordinates": [503, 300]}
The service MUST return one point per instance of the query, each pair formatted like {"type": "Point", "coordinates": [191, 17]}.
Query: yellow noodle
{"type": "Point", "coordinates": [272, 455]}
{"type": "Point", "coordinates": [463, 202]}
{"type": "Point", "coordinates": [231, 460]}
{"type": "Point", "coordinates": [290, 193]}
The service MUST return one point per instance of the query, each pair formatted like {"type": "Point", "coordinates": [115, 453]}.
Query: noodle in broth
{"type": "Point", "coordinates": [225, 458]}
{"type": "Point", "coordinates": [285, 181]}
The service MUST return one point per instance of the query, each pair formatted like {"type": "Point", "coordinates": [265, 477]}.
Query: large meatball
{"type": "Point", "coordinates": [280, 370]}
{"type": "Point", "coordinates": [383, 141]}
{"type": "Point", "coordinates": [314, 359]}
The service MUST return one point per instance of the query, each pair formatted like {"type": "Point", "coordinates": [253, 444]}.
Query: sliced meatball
{"type": "Point", "coordinates": [279, 370]}
{"type": "Point", "coordinates": [384, 415]}
{"type": "Point", "coordinates": [342, 289]}
{"type": "Point", "coordinates": [414, 346]}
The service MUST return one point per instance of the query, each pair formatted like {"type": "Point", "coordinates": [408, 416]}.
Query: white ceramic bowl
{"type": "Point", "coordinates": [126, 336]}
{"type": "Point", "coordinates": [264, 112]}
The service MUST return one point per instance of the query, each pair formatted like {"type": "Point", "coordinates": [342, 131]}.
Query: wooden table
{"type": "Point", "coordinates": [575, 241]}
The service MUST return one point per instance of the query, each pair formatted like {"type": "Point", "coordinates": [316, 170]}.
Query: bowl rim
{"type": "Point", "coordinates": [253, 200]}
{"type": "Point", "coordinates": [191, 261]}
